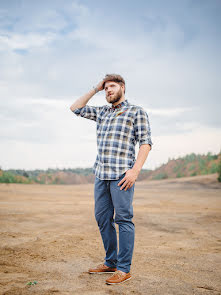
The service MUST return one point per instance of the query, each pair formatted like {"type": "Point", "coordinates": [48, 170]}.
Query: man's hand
{"type": "Point", "coordinates": [100, 85]}
{"type": "Point", "coordinates": [129, 179]}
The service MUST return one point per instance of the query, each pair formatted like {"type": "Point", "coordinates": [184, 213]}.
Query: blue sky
{"type": "Point", "coordinates": [52, 52]}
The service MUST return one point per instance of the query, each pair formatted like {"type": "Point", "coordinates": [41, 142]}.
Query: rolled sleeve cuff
{"type": "Point", "coordinates": [77, 111]}
{"type": "Point", "coordinates": [146, 141]}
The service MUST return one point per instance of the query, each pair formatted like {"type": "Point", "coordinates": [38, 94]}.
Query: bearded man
{"type": "Point", "coordinates": [119, 127]}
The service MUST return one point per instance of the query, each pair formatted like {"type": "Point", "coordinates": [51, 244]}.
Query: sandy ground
{"type": "Point", "coordinates": [49, 235]}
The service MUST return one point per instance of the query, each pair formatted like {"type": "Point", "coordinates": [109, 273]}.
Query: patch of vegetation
{"type": "Point", "coordinates": [8, 177]}
{"type": "Point", "coordinates": [176, 169]}
{"type": "Point", "coordinates": [190, 158]}
{"type": "Point", "coordinates": [214, 168]}
{"type": "Point", "coordinates": [193, 174]}
{"type": "Point", "coordinates": [162, 175]}
{"type": "Point", "coordinates": [204, 171]}
{"type": "Point", "coordinates": [192, 167]}
{"type": "Point", "coordinates": [50, 171]}
{"type": "Point", "coordinates": [179, 174]}
{"type": "Point", "coordinates": [211, 157]}
{"type": "Point", "coordinates": [202, 163]}
{"type": "Point", "coordinates": [192, 164]}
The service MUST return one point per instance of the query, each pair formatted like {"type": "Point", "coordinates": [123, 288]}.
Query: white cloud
{"type": "Point", "coordinates": [55, 137]}
{"type": "Point", "coordinates": [168, 112]}
{"type": "Point", "coordinates": [170, 65]}
{"type": "Point", "coordinates": [26, 41]}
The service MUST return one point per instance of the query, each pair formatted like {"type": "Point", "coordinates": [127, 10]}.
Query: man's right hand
{"type": "Point", "coordinates": [100, 85]}
{"type": "Point", "coordinates": [83, 100]}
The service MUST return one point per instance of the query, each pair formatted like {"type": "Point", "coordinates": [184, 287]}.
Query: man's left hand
{"type": "Point", "coordinates": [129, 179]}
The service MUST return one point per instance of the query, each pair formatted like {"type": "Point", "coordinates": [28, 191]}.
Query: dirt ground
{"type": "Point", "coordinates": [49, 234]}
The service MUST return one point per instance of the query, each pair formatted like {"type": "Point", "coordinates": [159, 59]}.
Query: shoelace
{"type": "Point", "coordinates": [118, 273]}
{"type": "Point", "coordinates": [100, 265]}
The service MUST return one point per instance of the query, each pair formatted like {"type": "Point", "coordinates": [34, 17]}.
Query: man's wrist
{"type": "Point", "coordinates": [136, 170]}
{"type": "Point", "coordinates": [95, 89]}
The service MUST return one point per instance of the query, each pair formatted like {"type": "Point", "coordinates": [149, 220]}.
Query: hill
{"type": "Point", "coordinates": [189, 165]}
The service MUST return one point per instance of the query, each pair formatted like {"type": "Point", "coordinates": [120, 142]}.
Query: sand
{"type": "Point", "coordinates": [49, 234]}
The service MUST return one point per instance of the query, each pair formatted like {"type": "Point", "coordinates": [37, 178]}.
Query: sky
{"type": "Point", "coordinates": [53, 52]}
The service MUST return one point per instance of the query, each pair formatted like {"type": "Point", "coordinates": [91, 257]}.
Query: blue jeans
{"type": "Point", "coordinates": [109, 198]}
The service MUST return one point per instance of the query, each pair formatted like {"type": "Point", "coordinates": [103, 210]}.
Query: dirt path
{"type": "Point", "coordinates": [48, 234]}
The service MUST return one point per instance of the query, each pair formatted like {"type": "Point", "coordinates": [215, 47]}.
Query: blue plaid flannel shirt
{"type": "Point", "coordinates": [119, 128]}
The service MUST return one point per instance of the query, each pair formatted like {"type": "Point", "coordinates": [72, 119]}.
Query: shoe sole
{"type": "Point", "coordinates": [100, 272]}
{"type": "Point", "coordinates": [119, 282]}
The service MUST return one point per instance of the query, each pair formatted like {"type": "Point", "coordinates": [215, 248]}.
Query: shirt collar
{"type": "Point", "coordinates": [120, 105]}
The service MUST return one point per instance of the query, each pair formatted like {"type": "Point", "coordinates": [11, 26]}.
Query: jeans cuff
{"type": "Point", "coordinates": [109, 265]}
{"type": "Point", "coordinates": [123, 269]}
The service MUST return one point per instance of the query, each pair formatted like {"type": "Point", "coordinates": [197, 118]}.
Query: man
{"type": "Point", "coordinates": [119, 127]}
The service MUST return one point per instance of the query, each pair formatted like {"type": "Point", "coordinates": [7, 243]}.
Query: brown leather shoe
{"type": "Point", "coordinates": [118, 277]}
{"type": "Point", "coordinates": [102, 268]}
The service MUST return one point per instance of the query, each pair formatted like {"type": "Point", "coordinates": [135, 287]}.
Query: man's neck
{"type": "Point", "coordinates": [118, 102]}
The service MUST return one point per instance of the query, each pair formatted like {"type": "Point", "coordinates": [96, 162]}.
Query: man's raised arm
{"type": "Point", "coordinates": [83, 100]}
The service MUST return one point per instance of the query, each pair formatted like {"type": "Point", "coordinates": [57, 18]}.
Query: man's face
{"type": "Point", "coordinates": [113, 91]}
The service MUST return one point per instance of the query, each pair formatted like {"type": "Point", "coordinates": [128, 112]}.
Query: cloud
{"type": "Point", "coordinates": [168, 53]}
{"type": "Point", "coordinates": [168, 112]}
{"type": "Point", "coordinates": [26, 41]}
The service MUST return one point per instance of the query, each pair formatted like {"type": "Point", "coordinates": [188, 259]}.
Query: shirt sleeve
{"type": "Point", "coordinates": [88, 112]}
{"type": "Point", "coordinates": [142, 128]}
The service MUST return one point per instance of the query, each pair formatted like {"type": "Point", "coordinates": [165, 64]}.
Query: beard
{"type": "Point", "coordinates": [116, 97]}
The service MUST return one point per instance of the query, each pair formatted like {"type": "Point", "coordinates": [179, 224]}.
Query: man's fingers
{"type": "Point", "coordinates": [122, 180]}
{"type": "Point", "coordinates": [100, 85]}
{"type": "Point", "coordinates": [125, 183]}
{"type": "Point", "coordinates": [129, 185]}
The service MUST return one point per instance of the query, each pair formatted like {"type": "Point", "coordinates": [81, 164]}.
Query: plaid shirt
{"type": "Point", "coordinates": [119, 128]}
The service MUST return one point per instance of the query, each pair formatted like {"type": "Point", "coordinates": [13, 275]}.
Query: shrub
{"type": "Point", "coordinates": [176, 168]}
{"type": "Point", "coordinates": [193, 174]}
{"type": "Point", "coordinates": [213, 168]}
{"type": "Point", "coordinates": [192, 167]}
{"type": "Point", "coordinates": [179, 174]}
{"type": "Point", "coordinates": [190, 158]}
{"type": "Point", "coordinates": [8, 177]}
{"type": "Point", "coordinates": [161, 176]}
